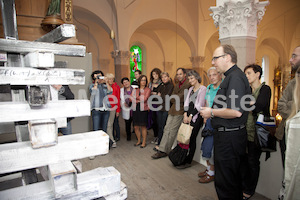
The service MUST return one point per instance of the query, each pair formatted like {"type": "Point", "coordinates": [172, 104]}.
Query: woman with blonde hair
{"type": "Point", "coordinates": [114, 100]}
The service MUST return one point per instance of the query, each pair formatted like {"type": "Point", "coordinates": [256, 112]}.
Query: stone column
{"type": "Point", "coordinates": [197, 61]}
{"type": "Point", "coordinates": [121, 59]}
{"type": "Point", "coordinates": [104, 64]}
{"type": "Point", "coordinates": [237, 21]}
{"type": "Point", "coordinates": [197, 64]}
{"type": "Point", "coordinates": [168, 66]}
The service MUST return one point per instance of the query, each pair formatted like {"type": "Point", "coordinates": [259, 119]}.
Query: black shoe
{"type": "Point", "coordinates": [159, 154]}
{"type": "Point", "coordinates": [186, 165]}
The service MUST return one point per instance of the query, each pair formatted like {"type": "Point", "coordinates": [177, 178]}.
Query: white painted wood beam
{"type": "Point", "coordinates": [42, 133]}
{"type": "Point", "coordinates": [63, 178]}
{"type": "Point", "coordinates": [92, 184]}
{"type": "Point", "coordinates": [24, 47]}
{"type": "Point", "coordinates": [20, 155]}
{"type": "Point", "coordinates": [21, 111]}
{"type": "Point", "coordinates": [120, 195]}
{"type": "Point", "coordinates": [33, 76]}
{"type": "Point", "coordinates": [59, 34]}
{"type": "Point", "coordinates": [39, 59]}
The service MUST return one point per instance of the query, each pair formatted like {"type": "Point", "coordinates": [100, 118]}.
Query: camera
{"type": "Point", "coordinates": [100, 77]}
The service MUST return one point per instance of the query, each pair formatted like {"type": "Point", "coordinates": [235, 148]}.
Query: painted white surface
{"type": "Point", "coordinates": [63, 178]}
{"type": "Point", "coordinates": [33, 76]}
{"type": "Point", "coordinates": [20, 155]}
{"type": "Point", "coordinates": [21, 111]}
{"type": "Point", "coordinates": [42, 133]}
{"type": "Point", "coordinates": [39, 59]}
{"type": "Point", "coordinates": [92, 184]}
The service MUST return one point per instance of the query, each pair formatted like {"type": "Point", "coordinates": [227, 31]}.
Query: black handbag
{"type": "Point", "coordinates": [178, 154]}
{"type": "Point", "coordinates": [265, 128]}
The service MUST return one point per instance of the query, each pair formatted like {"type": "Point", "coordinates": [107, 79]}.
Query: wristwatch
{"type": "Point", "coordinates": [211, 113]}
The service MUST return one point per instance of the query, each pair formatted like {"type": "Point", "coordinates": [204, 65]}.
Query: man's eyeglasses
{"type": "Point", "coordinates": [294, 56]}
{"type": "Point", "coordinates": [216, 57]}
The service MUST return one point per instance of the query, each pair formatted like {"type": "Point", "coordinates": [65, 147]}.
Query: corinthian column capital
{"type": "Point", "coordinates": [197, 61]}
{"type": "Point", "coordinates": [238, 18]}
{"type": "Point", "coordinates": [121, 57]}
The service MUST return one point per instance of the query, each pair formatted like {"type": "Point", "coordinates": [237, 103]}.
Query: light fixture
{"type": "Point", "coordinates": [112, 33]}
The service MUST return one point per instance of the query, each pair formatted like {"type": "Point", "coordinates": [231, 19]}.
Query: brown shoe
{"type": "Point", "coordinates": [201, 174]}
{"type": "Point", "coordinates": [207, 179]}
{"type": "Point", "coordinates": [159, 154]}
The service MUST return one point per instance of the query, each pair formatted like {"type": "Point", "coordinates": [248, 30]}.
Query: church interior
{"type": "Point", "coordinates": [166, 34]}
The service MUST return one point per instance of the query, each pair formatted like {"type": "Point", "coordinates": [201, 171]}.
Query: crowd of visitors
{"type": "Point", "coordinates": [225, 114]}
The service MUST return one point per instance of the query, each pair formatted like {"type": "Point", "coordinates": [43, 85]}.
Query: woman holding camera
{"type": "Point", "coordinates": [99, 89]}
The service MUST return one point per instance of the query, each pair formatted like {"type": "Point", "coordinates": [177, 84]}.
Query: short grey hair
{"type": "Point", "coordinates": [212, 68]}
{"type": "Point", "coordinates": [195, 74]}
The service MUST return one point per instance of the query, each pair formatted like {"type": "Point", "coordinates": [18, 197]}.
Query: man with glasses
{"type": "Point", "coordinates": [228, 118]}
{"type": "Point", "coordinates": [285, 103]}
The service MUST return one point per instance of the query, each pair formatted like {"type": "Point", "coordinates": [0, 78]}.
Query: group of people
{"type": "Point", "coordinates": [227, 109]}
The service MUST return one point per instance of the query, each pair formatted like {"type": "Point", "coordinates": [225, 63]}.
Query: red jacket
{"type": "Point", "coordinates": [116, 93]}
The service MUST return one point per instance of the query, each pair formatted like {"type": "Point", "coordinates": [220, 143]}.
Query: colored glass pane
{"type": "Point", "coordinates": [135, 60]}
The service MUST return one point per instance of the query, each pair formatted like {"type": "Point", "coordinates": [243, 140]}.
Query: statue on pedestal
{"type": "Point", "coordinates": [53, 18]}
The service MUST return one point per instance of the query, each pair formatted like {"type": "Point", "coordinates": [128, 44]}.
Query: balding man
{"type": "Point", "coordinates": [228, 118]}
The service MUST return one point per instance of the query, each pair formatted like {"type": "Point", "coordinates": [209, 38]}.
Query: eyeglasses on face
{"type": "Point", "coordinates": [216, 57]}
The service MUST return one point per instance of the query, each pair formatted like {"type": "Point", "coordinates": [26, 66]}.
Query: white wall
{"type": "Point", "coordinates": [80, 124]}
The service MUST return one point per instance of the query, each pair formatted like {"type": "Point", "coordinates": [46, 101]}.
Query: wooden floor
{"type": "Point", "coordinates": [149, 179]}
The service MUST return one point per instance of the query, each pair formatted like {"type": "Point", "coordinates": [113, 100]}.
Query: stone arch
{"type": "Point", "coordinates": [94, 33]}
{"type": "Point", "coordinates": [156, 31]}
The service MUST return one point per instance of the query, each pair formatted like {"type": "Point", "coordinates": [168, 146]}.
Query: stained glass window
{"type": "Point", "coordinates": [135, 60]}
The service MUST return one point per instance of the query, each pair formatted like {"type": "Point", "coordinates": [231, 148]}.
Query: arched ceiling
{"type": "Point", "coordinates": [277, 47]}
{"type": "Point", "coordinates": [149, 28]}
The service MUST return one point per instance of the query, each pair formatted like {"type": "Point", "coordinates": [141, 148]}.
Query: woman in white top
{"type": "Point", "coordinates": [126, 91]}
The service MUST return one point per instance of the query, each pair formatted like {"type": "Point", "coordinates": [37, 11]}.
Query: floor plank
{"type": "Point", "coordinates": [148, 179]}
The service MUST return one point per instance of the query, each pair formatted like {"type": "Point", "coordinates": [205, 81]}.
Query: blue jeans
{"type": "Point", "coordinates": [161, 122]}
{"type": "Point", "coordinates": [207, 146]}
{"type": "Point", "coordinates": [67, 130]}
{"type": "Point", "coordinates": [116, 129]}
{"type": "Point", "coordinates": [100, 119]}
